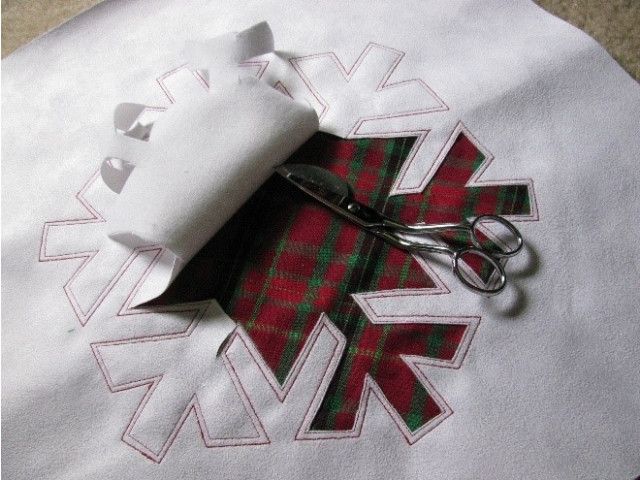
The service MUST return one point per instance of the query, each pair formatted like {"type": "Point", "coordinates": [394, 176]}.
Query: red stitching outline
{"type": "Point", "coordinates": [421, 134]}
{"type": "Point", "coordinates": [370, 385]}
{"type": "Point", "coordinates": [95, 217]}
{"type": "Point", "coordinates": [161, 79]}
{"type": "Point", "coordinates": [260, 64]}
{"type": "Point", "coordinates": [194, 405]}
{"type": "Point", "coordinates": [282, 391]}
{"type": "Point", "coordinates": [474, 181]}
{"type": "Point", "coordinates": [348, 74]}
{"type": "Point", "coordinates": [281, 88]}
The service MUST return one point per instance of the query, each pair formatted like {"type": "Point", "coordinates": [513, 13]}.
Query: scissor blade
{"type": "Point", "coordinates": [317, 182]}
{"type": "Point", "coordinates": [335, 193]}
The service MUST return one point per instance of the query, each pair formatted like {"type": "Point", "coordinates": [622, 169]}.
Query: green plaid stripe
{"type": "Point", "coordinates": [283, 259]}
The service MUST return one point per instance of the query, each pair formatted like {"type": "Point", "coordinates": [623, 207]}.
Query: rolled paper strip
{"type": "Point", "coordinates": [216, 57]}
{"type": "Point", "coordinates": [115, 172]}
{"type": "Point", "coordinates": [204, 159]}
{"type": "Point", "coordinates": [126, 115]}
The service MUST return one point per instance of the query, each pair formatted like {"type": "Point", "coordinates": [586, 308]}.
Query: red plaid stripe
{"type": "Point", "coordinates": [284, 259]}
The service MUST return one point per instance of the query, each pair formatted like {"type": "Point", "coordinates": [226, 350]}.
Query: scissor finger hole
{"type": "Point", "coordinates": [496, 236]}
{"type": "Point", "coordinates": [479, 271]}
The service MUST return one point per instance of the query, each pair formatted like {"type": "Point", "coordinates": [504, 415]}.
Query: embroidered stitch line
{"type": "Point", "coordinates": [288, 283]}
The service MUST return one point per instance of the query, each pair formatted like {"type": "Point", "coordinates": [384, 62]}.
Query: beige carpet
{"type": "Point", "coordinates": [614, 23]}
{"type": "Point", "coordinates": [24, 20]}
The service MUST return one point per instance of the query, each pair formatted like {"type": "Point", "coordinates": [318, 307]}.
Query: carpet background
{"type": "Point", "coordinates": [613, 23]}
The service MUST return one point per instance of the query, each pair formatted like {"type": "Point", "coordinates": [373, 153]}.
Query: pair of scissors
{"type": "Point", "coordinates": [333, 192]}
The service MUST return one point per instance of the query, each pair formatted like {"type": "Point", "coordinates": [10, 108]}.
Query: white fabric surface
{"type": "Point", "coordinates": [550, 385]}
{"type": "Point", "coordinates": [203, 157]}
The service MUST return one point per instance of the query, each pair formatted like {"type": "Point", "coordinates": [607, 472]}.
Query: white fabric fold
{"type": "Point", "coordinates": [230, 49]}
{"type": "Point", "coordinates": [203, 158]}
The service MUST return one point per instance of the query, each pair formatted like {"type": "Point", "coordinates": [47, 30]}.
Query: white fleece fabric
{"type": "Point", "coordinates": [92, 387]}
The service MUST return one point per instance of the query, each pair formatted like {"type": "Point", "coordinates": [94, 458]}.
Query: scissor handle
{"type": "Point", "coordinates": [500, 253]}
{"type": "Point", "coordinates": [459, 255]}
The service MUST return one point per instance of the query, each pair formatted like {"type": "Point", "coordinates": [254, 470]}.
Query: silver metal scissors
{"type": "Point", "coordinates": [336, 194]}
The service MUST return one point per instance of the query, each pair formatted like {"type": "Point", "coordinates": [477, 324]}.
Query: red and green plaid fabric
{"type": "Point", "coordinates": [446, 199]}
{"type": "Point", "coordinates": [283, 259]}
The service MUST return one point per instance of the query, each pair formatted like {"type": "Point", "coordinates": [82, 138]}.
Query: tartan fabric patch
{"type": "Point", "coordinates": [283, 259]}
{"type": "Point", "coordinates": [446, 199]}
